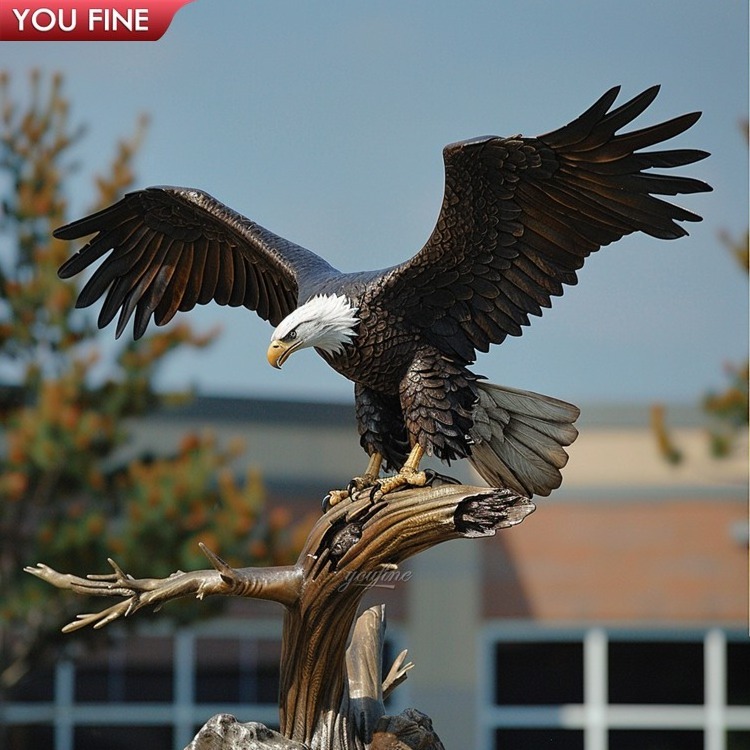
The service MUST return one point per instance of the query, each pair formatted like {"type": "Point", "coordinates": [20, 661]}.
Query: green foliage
{"type": "Point", "coordinates": [68, 497]}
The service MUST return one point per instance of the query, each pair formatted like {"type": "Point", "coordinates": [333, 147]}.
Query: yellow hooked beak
{"type": "Point", "coordinates": [278, 352]}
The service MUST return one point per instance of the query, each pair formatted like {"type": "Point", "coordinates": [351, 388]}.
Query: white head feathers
{"type": "Point", "coordinates": [326, 321]}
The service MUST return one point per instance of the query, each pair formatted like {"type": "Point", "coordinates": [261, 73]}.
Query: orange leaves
{"type": "Point", "coordinates": [56, 431]}
{"type": "Point", "coordinates": [13, 485]}
{"type": "Point", "coordinates": [175, 501]}
{"type": "Point", "coordinates": [190, 442]}
{"type": "Point", "coordinates": [279, 518]}
{"type": "Point", "coordinates": [60, 300]}
{"type": "Point", "coordinates": [96, 524]}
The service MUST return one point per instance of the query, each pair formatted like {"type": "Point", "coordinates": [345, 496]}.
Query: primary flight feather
{"type": "Point", "coordinates": [519, 217]}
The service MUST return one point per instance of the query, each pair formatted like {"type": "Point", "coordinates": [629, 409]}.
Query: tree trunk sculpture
{"type": "Point", "coordinates": [331, 695]}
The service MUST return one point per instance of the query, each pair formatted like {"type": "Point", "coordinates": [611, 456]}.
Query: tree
{"type": "Point", "coordinates": [66, 494]}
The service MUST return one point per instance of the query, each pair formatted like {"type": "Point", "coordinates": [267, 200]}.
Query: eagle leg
{"type": "Point", "coordinates": [357, 484]}
{"type": "Point", "coordinates": [409, 476]}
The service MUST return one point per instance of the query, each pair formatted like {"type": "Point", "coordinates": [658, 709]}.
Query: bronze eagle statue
{"type": "Point", "coordinates": [519, 217]}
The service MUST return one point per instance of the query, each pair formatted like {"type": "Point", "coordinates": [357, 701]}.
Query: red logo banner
{"type": "Point", "coordinates": [86, 20]}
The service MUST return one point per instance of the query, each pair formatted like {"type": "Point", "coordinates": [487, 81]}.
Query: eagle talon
{"type": "Point", "coordinates": [333, 498]}
{"type": "Point", "coordinates": [357, 484]}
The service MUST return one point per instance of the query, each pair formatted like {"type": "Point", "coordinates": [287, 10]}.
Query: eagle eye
{"type": "Point", "coordinates": [291, 335]}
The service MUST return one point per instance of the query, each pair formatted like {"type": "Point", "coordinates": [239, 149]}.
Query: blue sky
{"type": "Point", "coordinates": [324, 121]}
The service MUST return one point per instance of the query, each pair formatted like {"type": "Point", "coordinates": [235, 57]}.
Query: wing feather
{"type": "Point", "coordinates": [106, 273]}
{"type": "Point", "coordinates": [240, 282]}
{"type": "Point", "coordinates": [131, 286]}
{"type": "Point", "coordinates": [211, 277]}
{"type": "Point", "coordinates": [158, 277]}
{"type": "Point", "coordinates": [171, 299]}
{"type": "Point", "coordinates": [174, 248]}
{"type": "Point", "coordinates": [521, 215]}
{"type": "Point", "coordinates": [225, 279]}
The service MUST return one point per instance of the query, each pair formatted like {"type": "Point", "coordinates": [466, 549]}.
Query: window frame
{"type": "Point", "coordinates": [596, 716]}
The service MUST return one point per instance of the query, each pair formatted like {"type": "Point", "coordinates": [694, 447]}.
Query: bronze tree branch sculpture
{"type": "Point", "coordinates": [332, 690]}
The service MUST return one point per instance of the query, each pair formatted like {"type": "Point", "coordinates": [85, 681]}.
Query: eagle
{"type": "Point", "coordinates": [519, 217]}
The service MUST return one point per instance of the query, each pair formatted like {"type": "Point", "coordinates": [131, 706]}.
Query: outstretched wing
{"type": "Point", "coordinates": [520, 216]}
{"type": "Point", "coordinates": [174, 248]}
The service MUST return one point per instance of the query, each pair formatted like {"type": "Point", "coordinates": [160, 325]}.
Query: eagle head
{"type": "Point", "coordinates": [326, 321]}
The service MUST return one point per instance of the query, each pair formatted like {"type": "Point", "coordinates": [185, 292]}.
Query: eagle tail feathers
{"type": "Point", "coordinates": [520, 438]}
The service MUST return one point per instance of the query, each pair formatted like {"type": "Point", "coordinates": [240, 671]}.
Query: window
{"type": "Point", "coordinates": [738, 740]}
{"type": "Point", "coordinates": [659, 672]}
{"type": "Point", "coordinates": [133, 670]}
{"type": "Point", "coordinates": [24, 736]}
{"type": "Point", "coordinates": [738, 673]}
{"type": "Point", "coordinates": [34, 686]}
{"type": "Point", "coordinates": [538, 673]}
{"type": "Point", "coordinates": [534, 739]}
{"type": "Point", "coordinates": [655, 739]}
{"type": "Point", "coordinates": [237, 670]}
{"type": "Point", "coordinates": [615, 690]}
{"type": "Point", "coordinates": [122, 737]}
